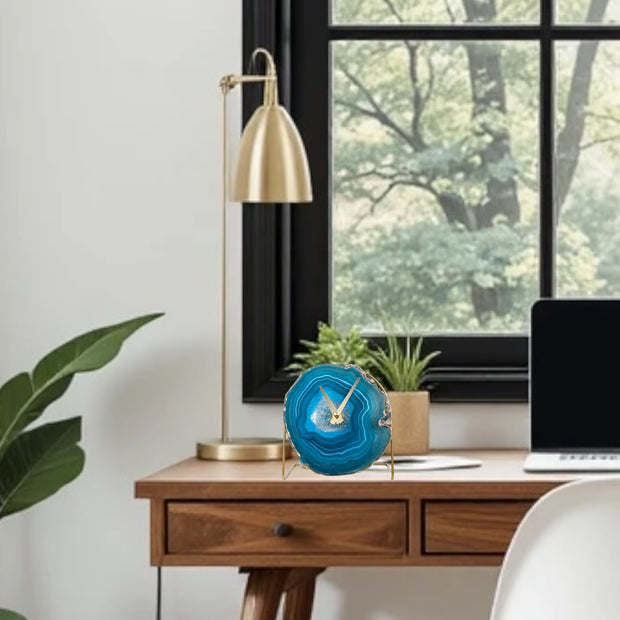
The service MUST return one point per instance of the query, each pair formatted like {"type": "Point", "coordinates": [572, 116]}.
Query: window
{"type": "Point", "coordinates": [463, 155]}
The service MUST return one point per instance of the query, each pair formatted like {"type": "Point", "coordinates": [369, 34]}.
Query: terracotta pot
{"type": "Point", "coordinates": [410, 433]}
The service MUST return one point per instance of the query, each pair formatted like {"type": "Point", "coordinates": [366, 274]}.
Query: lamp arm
{"type": "Point", "coordinates": [228, 82]}
{"type": "Point", "coordinates": [270, 79]}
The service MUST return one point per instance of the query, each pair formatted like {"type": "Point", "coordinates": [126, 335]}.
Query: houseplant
{"type": "Point", "coordinates": [331, 347]}
{"type": "Point", "coordinates": [403, 373]}
{"type": "Point", "coordinates": [37, 462]}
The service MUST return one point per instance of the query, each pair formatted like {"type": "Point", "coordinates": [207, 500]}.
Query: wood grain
{"type": "Point", "coordinates": [245, 528]}
{"type": "Point", "coordinates": [158, 531]}
{"type": "Point", "coordinates": [470, 526]}
{"type": "Point", "coordinates": [300, 593]}
{"type": "Point", "coordinates": [263, 592]}
{"type": "Point", "coordinates": [209, 513]}
{"type": "Point", "coordinates": [196, 479]}
{"type": "Point", "coordinates": [222, 514]}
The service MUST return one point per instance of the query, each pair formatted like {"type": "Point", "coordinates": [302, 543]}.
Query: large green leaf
{"type": "Point", "coordinates": [6, 614]}
{"type": "Point", "coordinates": [38, 463]}
{"type": "Point", "coordinates": [24, 397]}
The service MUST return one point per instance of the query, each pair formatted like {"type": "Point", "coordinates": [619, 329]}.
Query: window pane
{"type": "Point", "coordinates": [434, 185]}
{"type": "Point", "coordinates": [588, 11]}
{"type": "Point", "coordinates": [434, 11]}
{"type": "Point", "coordinates": [587, 165]}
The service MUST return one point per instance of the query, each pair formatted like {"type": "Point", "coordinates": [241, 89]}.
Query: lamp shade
{"type": "Point", "coordinates": [272, 165]}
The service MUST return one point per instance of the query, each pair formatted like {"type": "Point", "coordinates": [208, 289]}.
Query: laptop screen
{"type": "Point", "coordinates": [575, 374]}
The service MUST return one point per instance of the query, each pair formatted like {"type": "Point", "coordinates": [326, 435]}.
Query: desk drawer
{"type": "Point", "coordinates": [470, 527]}
{"type": "Point", "coordinates": [366, 528]}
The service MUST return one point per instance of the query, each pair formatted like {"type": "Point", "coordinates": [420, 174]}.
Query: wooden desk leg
{"type": "Point", "coordinates": [300, 593]}
{"type": "Point", "coordinates": [265, 587]}
{"type": "Point", "coordinates": [263, 592]}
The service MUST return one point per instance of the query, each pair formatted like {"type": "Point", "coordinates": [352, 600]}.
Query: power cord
{"type": "Point", "coordinates": [158, 605]}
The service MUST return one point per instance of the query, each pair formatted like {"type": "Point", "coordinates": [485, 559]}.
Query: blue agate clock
{"type": "Point", "coordinates": [338, 419]}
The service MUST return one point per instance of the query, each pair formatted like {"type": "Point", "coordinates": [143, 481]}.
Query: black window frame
{"type": "Point", "coordinates": [286, 268]}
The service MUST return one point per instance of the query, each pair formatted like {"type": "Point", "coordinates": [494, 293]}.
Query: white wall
{"type": "Point", "coordinates": [109, 207]}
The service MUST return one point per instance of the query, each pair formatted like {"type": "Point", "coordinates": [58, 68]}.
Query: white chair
{"type": "Point", "coordinates": [564, 560]}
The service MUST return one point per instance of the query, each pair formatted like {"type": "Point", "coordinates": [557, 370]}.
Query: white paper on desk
{"type": "Point", "coordinates": [425, 463]}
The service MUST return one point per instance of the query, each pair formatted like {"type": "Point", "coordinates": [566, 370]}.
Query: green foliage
{"type": "Point", "coordinates": [36, 463]}
{"type": "Point", "coordinates": [426, 270]}
{"type": "Point", "coordinates": [407, 210]}
{"type": "Point", "coordinates": [424, 11]}
{"type": "Point", "coordinates": [331, 347]}
{"type": "Point", "coordinates": [403, 371]}
{"type": "Point", "coordinates": [5, 614]}
{"type": "Point", "coordinates": [589, 237]}
{"type": "Point", "coordinates": [435, 173]}
{"type": "Point", "coordinates": [39, 462]}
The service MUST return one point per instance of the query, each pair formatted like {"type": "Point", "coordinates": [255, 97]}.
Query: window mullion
{"type": "Point", "coordinates": [547, 219]}
{"type": "Point", "coordinates": [547, 13]}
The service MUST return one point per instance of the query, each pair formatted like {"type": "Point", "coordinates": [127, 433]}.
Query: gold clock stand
{"type": "Point", "coordinates": [285, 474]}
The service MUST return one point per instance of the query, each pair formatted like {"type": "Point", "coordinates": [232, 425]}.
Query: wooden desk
{"type": "Point", "coordinates": [285, 532]}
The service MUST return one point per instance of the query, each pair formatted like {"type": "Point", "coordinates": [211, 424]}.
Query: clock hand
{"type": "Point", "coordinates": [336, 417]}
{"type": "Point", "coordinates": [346, 398]}
{"type": "Point", "coordinates": [328, 400]}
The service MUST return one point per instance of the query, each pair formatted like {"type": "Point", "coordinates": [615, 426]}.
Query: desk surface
{"type": "Point", "coordinates": [223, 513]}
{"type": "Point", "coordinates": [504, 466]}
{"type": "Point", "coordinates": [285, 532]}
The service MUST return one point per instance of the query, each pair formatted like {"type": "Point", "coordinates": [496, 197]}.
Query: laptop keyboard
{"type": "Point", "coordinates": [573, 461]}
{"type": "Point", "coordinates": [590, 457]}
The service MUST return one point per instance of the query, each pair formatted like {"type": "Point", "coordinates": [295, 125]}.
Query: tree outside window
{"type": "Point", "coordinates": [464, 156]}
{"type": "Point", "coordinates": [435, 168]}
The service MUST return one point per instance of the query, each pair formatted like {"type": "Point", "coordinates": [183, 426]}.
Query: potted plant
{"type": "Point", "coordinates": [37, 462]}
{"type": "Point", "coordinates": [331, 347]}
{"type": "Point", "coordinates": [403, 373]}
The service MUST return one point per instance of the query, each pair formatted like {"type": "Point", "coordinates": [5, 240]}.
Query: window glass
{"type": "Point", "coordinates": [587, 164]}
{"type": "Point", "coordinates": [434, 11]}
{"type": "Point", "coordinates": [434, 185]}
{"type": "Point", "coordinates": [588, 11]}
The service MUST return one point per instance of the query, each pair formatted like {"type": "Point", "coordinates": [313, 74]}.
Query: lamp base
{"type": "Point", "coordinates": [246, 449]}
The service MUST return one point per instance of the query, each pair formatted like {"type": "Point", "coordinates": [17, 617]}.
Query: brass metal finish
{"type": "Point", "coordinates": [273, 167]}
{"type": "Point", "coordinates": [290, 471]}
{"type": "Point", "coordinates": [272, 164]}
{"type": "Point", "coordinates": [346, 398]}
{"type": "Point", "coordinates": [246, 449]}
{"type": "Point", "coordinates": [336, 416]}
{"type": "Point", "coordinates": [410, 422]}
{"type": "Point", "coordinates": [283, 456]}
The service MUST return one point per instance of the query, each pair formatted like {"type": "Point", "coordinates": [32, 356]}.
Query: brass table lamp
{"type": "Point", "coordinates": [272, 168]}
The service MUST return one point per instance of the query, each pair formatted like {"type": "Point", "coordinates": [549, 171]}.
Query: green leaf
{"type": "Point", "coordinates": [6, 614]}
{"type": "Point", "coordinates": [403, 371]}
{"type": "Point", "coordinates": [24, 398]}
{"type": "Point", "coordinates": [87, 352]}
{"type": "Point", "coordinates": [331, 347]}
{"type": "Point", "coordinates": [38, 463]}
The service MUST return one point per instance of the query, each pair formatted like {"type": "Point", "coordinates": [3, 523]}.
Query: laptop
{"type": "Point", "coordinates": [575, 385]}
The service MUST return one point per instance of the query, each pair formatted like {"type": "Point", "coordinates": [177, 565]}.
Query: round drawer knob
{"type": "Point", "coordinates": [281, 529]}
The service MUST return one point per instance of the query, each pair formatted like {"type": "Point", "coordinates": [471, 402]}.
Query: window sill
{"type": "Point", "coordinates": [480, 385]}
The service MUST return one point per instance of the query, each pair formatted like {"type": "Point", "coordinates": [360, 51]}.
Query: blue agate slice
{"type": "Point", "coordinates": [344, 448]}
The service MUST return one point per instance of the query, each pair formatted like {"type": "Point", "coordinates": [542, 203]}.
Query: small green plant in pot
{"type": "Point", "coordinates": [331, 347]}
{"type": "Point", "coordinates": [37, 462]}
{"type": "Point", "coordinates": [403, 372]}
